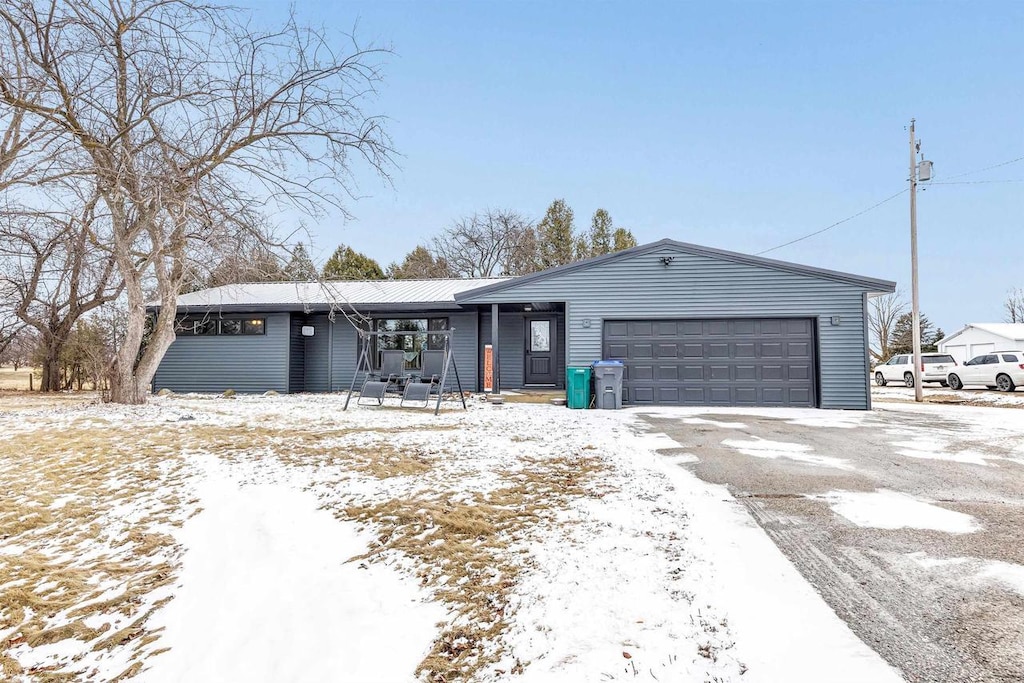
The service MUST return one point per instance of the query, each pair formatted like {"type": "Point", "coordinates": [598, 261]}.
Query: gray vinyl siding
{"type": "Point", "coordinates": [512, 347]}
{"type": "Point", "coordinates": [345, 351]}
{"type": "Point", "coordinates": [245, 363]}
{"type": "Point", "coordinates": [296, 354]}
{"type": "Point", "coordinates": [699, 286]}
{"type": "Point", "coordinates": [315, 369]}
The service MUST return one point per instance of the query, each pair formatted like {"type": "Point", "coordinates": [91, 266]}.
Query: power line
{"type": "Point", "coordinates": [987, 168]}
{"type": "Point", "coordinates": [836, 224]}
{"type": "Point", "coordinates": [975, 182]}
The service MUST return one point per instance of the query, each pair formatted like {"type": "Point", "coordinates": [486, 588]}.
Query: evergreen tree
{"type": "Point", "coordinates": [622, 239]}
{"type": "Point", "coordinates": [418, 264]}
{"type": "Point", "coordinates": [902, 340]}
{"type": "Point", "coordinates": [556, 241]}
{"type": "Point", "coordinates": [600, 233]}
{"type": "Point", "coordinates": [300, 268]}
{"type": "Point", "coordinates": [348, 264]}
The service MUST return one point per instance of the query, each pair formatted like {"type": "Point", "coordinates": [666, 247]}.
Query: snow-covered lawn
{"type": "Point", "coordinates": [279, 538]}
{"type": "Point", "coordinates": [936, 394]}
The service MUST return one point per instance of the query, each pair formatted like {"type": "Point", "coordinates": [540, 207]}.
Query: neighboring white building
{"type": "Point", "coordinates": [978, 338]}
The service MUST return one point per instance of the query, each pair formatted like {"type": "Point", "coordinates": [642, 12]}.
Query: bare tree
{"type": "Point", "coordinates": [192, 125]}
{"type": "Point", "coordinates": [885, 311]}
{"type": "Point", "coordinates": [1014, 306]}
{"type": "Point", "coordinates": [56, 272]}
{"type": "Point", "coordinates": [486, 244]}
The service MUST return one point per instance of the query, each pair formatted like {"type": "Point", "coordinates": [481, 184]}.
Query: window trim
{"type": "Point", "coordinates": [186, 326]}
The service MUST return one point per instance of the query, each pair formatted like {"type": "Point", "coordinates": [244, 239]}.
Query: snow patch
{"type": "Point", "coordinates": [934, 449]}
{"type": "Point", "coordinates": [764, 448]}
{"type": "Point", "coordinates": [713, 423]}
{"type": "Point", "coordinates": [884, 509]}
{"type": "Point", "coordinates": [268, 594]}
{"type": "Point", "coordinates": [1009, 574]}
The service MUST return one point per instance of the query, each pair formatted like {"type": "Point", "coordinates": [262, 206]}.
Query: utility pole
{"type": "Point", "coordinates": [925, 169]}
{"type": "Point", "coordinates": [915, 306]}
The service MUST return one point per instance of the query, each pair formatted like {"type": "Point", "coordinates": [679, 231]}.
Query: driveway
{"type": "Point", "coordinates": [908, 520]}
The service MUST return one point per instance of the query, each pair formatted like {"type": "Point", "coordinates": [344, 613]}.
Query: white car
{"type": "Point", "coordinates": [1003, 370]}
{"type": "Point", "coordinates": [935, 367]}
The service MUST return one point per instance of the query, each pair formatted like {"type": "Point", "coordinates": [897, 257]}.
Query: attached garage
{"type": "Point", "coordinates": [700, 326]}
{"type": "Point", "coordinates": [726, 362]}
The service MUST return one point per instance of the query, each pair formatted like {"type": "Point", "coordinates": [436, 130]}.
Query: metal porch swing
{"type": "Point", "coordinates": [392, 376]}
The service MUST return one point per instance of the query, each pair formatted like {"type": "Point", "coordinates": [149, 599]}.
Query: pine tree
{"type": "Point", "coordinates": [600, 233]}
{"type": "Point", "coordinates": [300, 268]}
{"type": "Point", "coordinates": [348, 264]}
{"type": "Point", "coordinates": [622, 239]}
{"type": "Point", "coordinates": [556, 241]}
{"type": "Point", "coordinates": [419, 263]}
{"type": "Point", "coordinates": [902, 340]}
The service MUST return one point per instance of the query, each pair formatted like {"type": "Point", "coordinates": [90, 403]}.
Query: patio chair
{"type": "Point", "coordinates": [430, 377]}
{"type": "Point", "coordinates": [390, 377]}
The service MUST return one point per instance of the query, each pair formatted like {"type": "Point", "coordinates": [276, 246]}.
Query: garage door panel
{"type": "Point", "coordinates": [613, 330]}
{"type": "Point", "coordinates": [616, 350]}
{"type": "Point", "coordinates": [669, 373]}
{"type": "Point", "coordinates": [715, 362]}
{"type": "Point", "coordinates": [719, 372]}
{"type": "Point", "coordinates": [640, 372]}
{"type": "Point", "coordinates": [667, 350]}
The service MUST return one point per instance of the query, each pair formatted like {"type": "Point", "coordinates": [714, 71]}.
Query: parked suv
{"type": "Point", "coordinates": [935, 367]}
{"type": "Point", "coordinates": [1003, 370]}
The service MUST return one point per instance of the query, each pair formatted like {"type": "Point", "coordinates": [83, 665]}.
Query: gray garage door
{"type": "Point", "coordinates": [757, 362]}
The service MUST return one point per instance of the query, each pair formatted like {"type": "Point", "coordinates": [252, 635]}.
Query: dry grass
{"type": "Point", "coordinates": [92, 505]}
{"type": "Point", "coordinates": [463, 546]}
{"type": "Point", "coordinates": [86, 505]}
{"type": "Point", "coordinates": [18, 381]}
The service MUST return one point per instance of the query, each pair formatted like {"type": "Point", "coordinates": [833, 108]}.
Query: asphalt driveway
{"type": "Point", "coordinates": [908, 520]}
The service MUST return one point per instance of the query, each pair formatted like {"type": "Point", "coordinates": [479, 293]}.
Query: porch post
{"type": "Point", "coordinates": [494, 349]}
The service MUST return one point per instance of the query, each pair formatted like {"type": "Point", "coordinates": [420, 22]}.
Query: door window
{"type": "Point", "coordinates": [991, 359]}
{"type": "Point", "coordinates": [540, 335]}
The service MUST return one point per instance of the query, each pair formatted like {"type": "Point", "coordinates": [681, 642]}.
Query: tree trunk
{"type": "Point", "coordinates": [51, 366]}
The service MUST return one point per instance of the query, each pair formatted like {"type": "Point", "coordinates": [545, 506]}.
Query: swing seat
{"type": "Point", "coordinates": [389, 378]}
{"type": "Point", "coordinates": [430, 377]}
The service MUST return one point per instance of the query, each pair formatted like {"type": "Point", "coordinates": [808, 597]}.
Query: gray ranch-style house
{"type": "Point", "coordinates": [693, 326]}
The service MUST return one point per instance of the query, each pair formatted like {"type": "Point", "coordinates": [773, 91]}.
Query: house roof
{"type": "Point", "coordinates": [1012, 331]}
{"type": "Point", "coordinates": [871, 284]}
{"type": "Point", "coordinates": [314, 295]}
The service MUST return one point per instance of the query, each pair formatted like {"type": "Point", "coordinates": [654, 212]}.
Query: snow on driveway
{"type": "Point", "coordinates": [267, 594]}
{"type": "Point", "coordinates": [883, 509]}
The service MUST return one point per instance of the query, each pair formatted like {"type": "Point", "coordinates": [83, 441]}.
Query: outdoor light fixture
{"type": "Point", "coordinates": [527, 308]}
{"type": "Point", "coordinates": [308, 330]}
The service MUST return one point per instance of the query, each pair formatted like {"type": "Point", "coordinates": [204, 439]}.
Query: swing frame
{"type": "Point", "coordinates": [449, 361]}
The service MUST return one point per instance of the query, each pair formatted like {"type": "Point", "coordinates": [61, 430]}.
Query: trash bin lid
{"type": "Point", "coordinates": [599, 363]}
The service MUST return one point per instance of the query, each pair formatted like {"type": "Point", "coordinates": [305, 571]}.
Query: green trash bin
{"type": "Point", "coordinates": [577, 387]}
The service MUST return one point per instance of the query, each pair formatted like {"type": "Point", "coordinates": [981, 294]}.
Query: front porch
{"type": "Point", "coordinates": [528, 344]}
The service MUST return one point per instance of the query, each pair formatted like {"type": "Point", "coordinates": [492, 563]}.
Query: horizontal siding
{"type": "Point", "coordinates": [702, 287]}
{"type": "Point", "coordinates": [315, 369]}
{"type": "Point", "coordinates": [296, 354]}
{"type": "Point", "coordinates": [247, 364]}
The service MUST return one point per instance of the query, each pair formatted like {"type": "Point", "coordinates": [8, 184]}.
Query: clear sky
{"type": "Point", "coordinates": [739, 126]}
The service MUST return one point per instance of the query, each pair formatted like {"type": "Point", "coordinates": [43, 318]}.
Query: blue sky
{"type": "Point", "coordinates": [739, 126]}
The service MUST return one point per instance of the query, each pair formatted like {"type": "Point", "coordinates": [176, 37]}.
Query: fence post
{"type": "Point", "coordinates": [30, 381]}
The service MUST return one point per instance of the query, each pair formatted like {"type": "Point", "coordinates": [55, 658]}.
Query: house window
{"type": "Point", "coordinates": [190, 327]}
{"type": "Point", "coordinates": [409, 335]}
